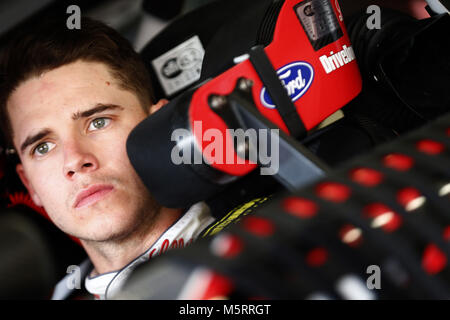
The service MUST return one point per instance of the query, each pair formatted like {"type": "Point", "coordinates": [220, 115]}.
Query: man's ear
{"type": "Point", "coordinates": [23, 176]}
{"type": "Point", "coordinates": [158, 105]}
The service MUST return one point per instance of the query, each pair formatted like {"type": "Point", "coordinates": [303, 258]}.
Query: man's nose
{"type": "Point", "coordinates": [78, 158]}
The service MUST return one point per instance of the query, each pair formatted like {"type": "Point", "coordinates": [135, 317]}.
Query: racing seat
{"type": "Point", "coordinates": [377, 228]}
{"type": "Point", "coordinates": [203, 44]}
{"type": "Point", "coordinates": [388, 210]}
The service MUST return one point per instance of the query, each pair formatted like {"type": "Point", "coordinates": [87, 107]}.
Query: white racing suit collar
{"type": "Point", "coordinates": [180, 234]}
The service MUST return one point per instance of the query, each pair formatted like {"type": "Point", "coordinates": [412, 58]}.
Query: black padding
{"type": "Point", "coordinates": [277, 264]}
{"type": "Point", "coordinates": [412, 87]}
{"type": "Point", "coordinates": [149, 148]}
{"type": "Point", "coordinates": [27, 263]}
{"type": "Point", "coordinates": [163, 9]}
{"type": "Point", "coordinates": [423, 77]}
{"type": "Point", "coordinates": [238, 35]}
{"type": "Point", "coordinates": [226, 28]}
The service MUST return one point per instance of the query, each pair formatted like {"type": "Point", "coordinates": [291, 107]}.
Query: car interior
{"type": "Point", "coordinates": [364, 174]}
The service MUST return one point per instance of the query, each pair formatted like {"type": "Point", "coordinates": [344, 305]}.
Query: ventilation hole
{"type": "Point", "coordinates": [398, 162]}
{"type": "Point", "coordinates": [366, 177]}
{"type": "Point", "coordinates": [350, 235]}
{"type": "Point", "coordinates": [433, 259]}
{"type": "Point", "coordinates": [259, 226]}
{"type": "Point", "coordinates": [430, 147]}
{"type": "Point", "coordinates": [317, 257]}
{"type": "Point", "coordinates": [382, 217]}
{"type": "Point", "coordinates": [227, 246]}
{"type": "Point", "coordinates": [411, 199]}
{"type": "Point", "coordinates": [299, 207]}
{"type": "Point", "coordinates": [334, 192]}
{"type": "Point", "coordinates": [446, 233]}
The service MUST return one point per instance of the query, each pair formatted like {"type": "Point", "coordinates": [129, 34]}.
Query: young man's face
{"type": "Point", "coordinates": [72, 123]}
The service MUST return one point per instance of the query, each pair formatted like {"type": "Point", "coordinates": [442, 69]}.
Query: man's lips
{"type": "Point", "coordinates": [92, 195]}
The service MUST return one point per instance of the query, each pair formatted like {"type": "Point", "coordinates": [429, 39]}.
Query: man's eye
{"type": "Point", "coordinates": [43, 148]}
{"type": "Point", "coordinates": [99, 123]}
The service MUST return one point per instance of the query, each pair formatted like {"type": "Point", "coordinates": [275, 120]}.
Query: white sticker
{"type": "Point", "coordinates": [181, 66]}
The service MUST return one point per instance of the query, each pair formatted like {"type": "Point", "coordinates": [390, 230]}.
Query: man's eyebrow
{"type": "Point", "coordinates": [32, 139]}
{"type": "Point", "coordinates": [77, 115]}
{"type": "Point", "coordinates": [97, 109]}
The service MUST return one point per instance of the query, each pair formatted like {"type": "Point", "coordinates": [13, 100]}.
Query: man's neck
{"type": "Point", "coordinates": [109, 256]}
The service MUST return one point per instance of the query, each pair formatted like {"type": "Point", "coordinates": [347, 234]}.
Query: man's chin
{"type": "Point", "coordinates": [103, 237]}
{"type": "Point", "coordinates": [101, 227]}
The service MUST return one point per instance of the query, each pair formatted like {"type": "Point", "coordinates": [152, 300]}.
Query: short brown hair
{"type": "Point", "coordinates": [32, 50]}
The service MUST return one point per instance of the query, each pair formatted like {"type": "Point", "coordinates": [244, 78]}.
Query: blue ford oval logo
{"type": "Point", "coordinates": [296, 77]}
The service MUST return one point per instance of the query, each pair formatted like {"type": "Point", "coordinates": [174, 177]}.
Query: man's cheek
{"type": "Point", "coordinates": [116, 153]}
{"type": "Point", "coordinates": [56, 213]}
{"type": "Point", "coordinates": [51, 194]}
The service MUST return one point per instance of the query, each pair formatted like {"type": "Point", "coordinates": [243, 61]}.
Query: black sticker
{"type": "Point", "coordinates": [319, 21]}
{"type": "Point", "coordinates": [170, 69]}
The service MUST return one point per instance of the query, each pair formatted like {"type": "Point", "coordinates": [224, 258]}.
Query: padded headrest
{"type": "Point", "coordinates": [318, 82]}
